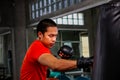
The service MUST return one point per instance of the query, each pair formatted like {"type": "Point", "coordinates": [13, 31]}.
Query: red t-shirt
{"type": "Point", "coordinates": [31, 69]}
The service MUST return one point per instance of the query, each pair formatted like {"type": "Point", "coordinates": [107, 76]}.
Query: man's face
{"type": "Point", "coordinates": [49, 37]}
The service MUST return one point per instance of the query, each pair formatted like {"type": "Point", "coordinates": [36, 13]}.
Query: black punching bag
{"type": "Point", "coordinates": [107, 59]}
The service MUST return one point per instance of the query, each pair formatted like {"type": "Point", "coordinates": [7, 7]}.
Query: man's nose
{"type": "Point", "coordinates": [54, 39]}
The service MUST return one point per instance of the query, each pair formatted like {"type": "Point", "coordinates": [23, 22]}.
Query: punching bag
{"type": "Point", "coordinates": [106, 60]}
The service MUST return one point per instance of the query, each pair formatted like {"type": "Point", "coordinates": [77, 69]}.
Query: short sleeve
{"type": "Point", "coordinates": [37, 49]}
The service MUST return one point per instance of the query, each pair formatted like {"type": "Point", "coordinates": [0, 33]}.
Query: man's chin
{"type": "Point", "coordinates": [51, 46]}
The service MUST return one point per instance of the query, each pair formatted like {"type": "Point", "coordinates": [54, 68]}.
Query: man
{"type": "Point", "coordinates": [38, 56]}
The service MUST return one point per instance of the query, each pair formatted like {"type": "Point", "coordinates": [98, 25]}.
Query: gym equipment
{"type": "Point", "coordinates": [65, 52]}
{"type": "Point", "coordinates": [108, 43]}
{"type": "Point", "coordinates": [84, 62]}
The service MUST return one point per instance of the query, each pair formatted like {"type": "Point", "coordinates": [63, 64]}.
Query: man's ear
{"type": "Point", "coordinates": [40, 35]}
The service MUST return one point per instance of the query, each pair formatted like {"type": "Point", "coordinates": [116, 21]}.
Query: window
{"type": "Point", "coordinates": [59, 20]}
{"type": "Point", "coordinates": [54, 7]}
{"type": "Point", "coordinates": [49, 2]}
{"type": "Point", "coordinates": [40, 4]}
{"type": "Point", "coordinates": [60, 5]}
{"type": "Point", "coordinates": [32, 11]}
{"type": "Point", "coordinates": [65, 3]}
{"type": "Point", "coordinates": [71, 2]}
{"type": "Point", "coordinates": [45, 3]}
{"type": "Point", "coordinates": [85, 46]}
{"type": "Point", "coordinates": [65, 20]}
{"type": "Point", "coordinates": [81, 19]}
{"type": "Point", "coordinates": [72, 19]}
{"type": "Point", "coordinates": [49, 9]}
{"type": "Point", "coordinates": [41, 7]}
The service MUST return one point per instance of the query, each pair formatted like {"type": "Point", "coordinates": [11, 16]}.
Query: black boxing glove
{"type": "Point", "coordinates": [84, 62]}
{"type": "Point", "coordinates": [65, 52]}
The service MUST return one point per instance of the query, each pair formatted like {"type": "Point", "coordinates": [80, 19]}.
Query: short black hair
{"type": "Point", "coordinates": [44, 24]}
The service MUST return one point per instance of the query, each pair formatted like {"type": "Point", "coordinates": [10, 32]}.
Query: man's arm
{"type": "Point", "coordinates": [57, 64]}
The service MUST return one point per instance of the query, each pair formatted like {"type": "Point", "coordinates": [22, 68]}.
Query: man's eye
{"type": "Point", "coordinates": [51, 35]}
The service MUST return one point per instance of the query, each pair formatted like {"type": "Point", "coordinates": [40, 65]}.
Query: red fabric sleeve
{"type": "Point", "coordinates": [37, 49]}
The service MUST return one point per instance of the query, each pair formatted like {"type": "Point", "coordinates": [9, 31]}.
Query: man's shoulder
{"type": "Point", "coordinates": [36, 42]}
